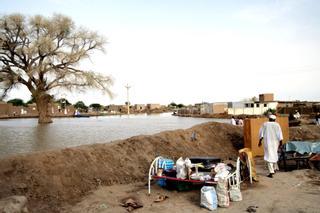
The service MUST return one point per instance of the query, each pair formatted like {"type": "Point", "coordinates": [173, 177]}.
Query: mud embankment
{"type": "Point", "coordinates": [305, 132]}
{"type": "Point", "coordinates": [52, 178]}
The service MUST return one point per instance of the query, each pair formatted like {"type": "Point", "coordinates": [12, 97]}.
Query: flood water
{"type": "Point", "coordinates": [26, 135]}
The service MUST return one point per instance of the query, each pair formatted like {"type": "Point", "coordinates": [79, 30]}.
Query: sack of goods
{"type": "Point", "coordinates": [208, 198]}
{"type": "Point", "coordinates": [235, 193]}
{"type": "Point", "coordinates": [183, 167]}
{"type": "Point", "coordinates": [222, 193]}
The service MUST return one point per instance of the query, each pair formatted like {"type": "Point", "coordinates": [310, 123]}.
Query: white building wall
{"type": "Point", "coordinates": [238, 109]}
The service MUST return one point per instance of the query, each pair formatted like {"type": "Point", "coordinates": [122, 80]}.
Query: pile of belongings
{"type": "Point", "coordinates": [212, 197]}
{"type": "Point", "coordinates": [184, 169]}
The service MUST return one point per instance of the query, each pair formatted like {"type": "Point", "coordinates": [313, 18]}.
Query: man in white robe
{"type": "Point", "coordinates": [271, 134]}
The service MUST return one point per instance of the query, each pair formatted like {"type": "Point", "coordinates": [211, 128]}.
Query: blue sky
{"type": "Point", "coordinates": [194, 51]}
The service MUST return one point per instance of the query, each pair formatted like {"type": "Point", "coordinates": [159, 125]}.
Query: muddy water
{"type": "Point", "coordinates": [25, 135]}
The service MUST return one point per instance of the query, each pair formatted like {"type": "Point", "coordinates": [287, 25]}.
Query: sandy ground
{"type": "Point", "coordinates": [52, 178]}
{"type": "Point", "coordinates": [305, 132]}
{"type": "Point", "coordinates": [57, 179]}
{"type": "Point", "coordinates": [296, 191]}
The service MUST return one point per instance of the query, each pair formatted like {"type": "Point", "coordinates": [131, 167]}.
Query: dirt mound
{"type": "Point", "coordinates": [52, 178]}
{"type": "Point", "coordinates": [305, 132]}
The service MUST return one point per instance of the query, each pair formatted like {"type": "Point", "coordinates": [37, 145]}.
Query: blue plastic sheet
{"type": "Point", "coordinates": [302, 147]}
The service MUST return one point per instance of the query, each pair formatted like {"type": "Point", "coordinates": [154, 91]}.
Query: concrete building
{"type": "Point", "coordinates": [250, 108]}
{"type": "Point", "coordinates": [8, 110]}
{"type": "Point", "coordinates": [205, 108]}
{"type": "Point", "coordinates": [304, 107]}
{"type": "Point", "coordinates": [253, 107]}
{"type": "Point", "coordinates": [114, 109]}
{"type": "Point", "coordinates": [139, 107]}
{"type": "Point", "coordinates": [220, 108]}
{"type": "Point", "coordinates": [212, 108]}
{"type": "Point", "coordinates": [266, 97]}
{"type": "Point", "coordinates": [4, 109]}
{"type": "Point", "coordinates": [32, 109]}
{"type": "Point", "coordinates": [153, 106]}
{"type": "Point", "coordinates": [189, 110]}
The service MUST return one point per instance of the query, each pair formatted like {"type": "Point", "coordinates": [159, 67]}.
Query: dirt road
{"type": "Point", "coordinates": [288, 192]}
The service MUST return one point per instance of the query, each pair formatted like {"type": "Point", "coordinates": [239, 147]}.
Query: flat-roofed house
{"type": "Point", "coordinates": [253, 107]}
{"type": "Point", "coordinates": [153, 106]}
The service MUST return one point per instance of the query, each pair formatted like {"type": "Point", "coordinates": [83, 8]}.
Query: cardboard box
{"type": "Point", "coordinates": [251, 133]}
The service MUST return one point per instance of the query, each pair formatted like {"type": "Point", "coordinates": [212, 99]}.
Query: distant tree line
{"type": "Point", "coordinates": [174, 105]}
{"type": "Point", "coordinates": [79, 105]}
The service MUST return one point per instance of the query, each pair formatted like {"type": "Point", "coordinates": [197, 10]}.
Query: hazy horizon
{"type": "Point", "coordinates": [195, 51]}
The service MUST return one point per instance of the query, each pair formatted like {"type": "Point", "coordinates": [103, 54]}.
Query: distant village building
{"type": "Point", "coordinates": [304, 107]}
{"type": "Point", "coordinates": [189, 110]}
{"type": "Point", "coordinates": [153, 106]}
{"type": "Point", "coordinates": [32, 109]}
{"type": "Point", "coordinates": [220, 108]}
{"type": "Point", "coordinates": [253, 107]}
{"type": "Point", "coordinates": [114, 109]}
{"type": "Point", "coordinates": [212, 108]}
{"type": "Point", "coordinates": [266, 97]}
{"type": "Point", "coordinates": [4, 109]}
{"type": "Point", "coordinates": [205, 108]}
{"type": "Point", "coordinates": [139, 107]}
{"type": "Point", "coordinates": [8, 110]}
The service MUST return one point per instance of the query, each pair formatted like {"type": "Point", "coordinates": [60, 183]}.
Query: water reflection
{"type": "Point", "coordinates": [25, 135]}
{"type": "Point", "coordinates": [39, 137]}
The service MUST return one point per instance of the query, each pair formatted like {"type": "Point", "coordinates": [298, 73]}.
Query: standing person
{"type": "Point", "coordinates": [271, 134]}
{"type": "Point", "coordinates": [233, 121]}
{"type": "Point", "coordinates": [193, 136]}
{"type": "Point", "coordinates": [318, 118]}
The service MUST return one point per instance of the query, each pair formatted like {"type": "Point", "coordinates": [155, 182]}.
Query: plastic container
{"type": "Point", "coordinates": [166, 164]}
{"type": "Point", "coordinates": [162, 182]}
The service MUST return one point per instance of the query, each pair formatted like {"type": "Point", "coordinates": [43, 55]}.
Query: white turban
{"type": "Point", "coordinates": [273, 117]}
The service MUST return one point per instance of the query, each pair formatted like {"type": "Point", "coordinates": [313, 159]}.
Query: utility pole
{"type": "Point", "coordinates": [128, 104]}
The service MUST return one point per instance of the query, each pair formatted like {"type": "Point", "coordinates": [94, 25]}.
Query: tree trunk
{"type": "Point", "coordinates": [42, 101]}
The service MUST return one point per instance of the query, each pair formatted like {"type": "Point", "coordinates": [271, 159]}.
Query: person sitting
{"type": "Point", "coordinates": [240, 122]}
{"type": "Point", "coordinates": [297, 115]}
{"type": "Point", "coordinates": [291, 117]}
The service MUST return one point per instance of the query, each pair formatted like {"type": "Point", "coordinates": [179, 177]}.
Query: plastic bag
{"type": "Point", "coordinates": [181, 169]}
{"type": "Point", "coordinates": [235, 193]}
{"type": "Point", "coordinates": [208, 198]}
{"type": "Point", "coordinates": [222, 171]}
{"type": "Point", "coordinates": [187, 163]}
{"type": "Point", "coordinates": [222, 193]}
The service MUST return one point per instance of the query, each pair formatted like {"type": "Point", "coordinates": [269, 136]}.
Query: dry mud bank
{"type": "Point", "coordinates": [52, 178]}
{"type": "Point", "coordinates": [57, 178]}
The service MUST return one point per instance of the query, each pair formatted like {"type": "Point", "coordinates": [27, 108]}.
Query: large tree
{"type": "Point", "coordinates": [43, 54]}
